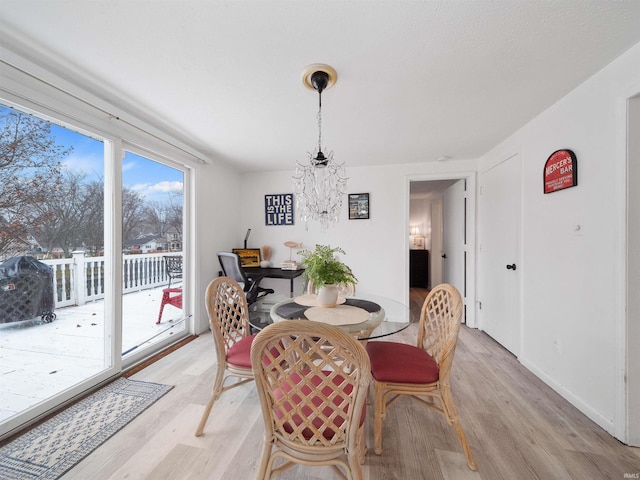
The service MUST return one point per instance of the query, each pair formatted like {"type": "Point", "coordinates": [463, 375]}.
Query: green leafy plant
{"type": "Point", "coordinates": [323, 268]}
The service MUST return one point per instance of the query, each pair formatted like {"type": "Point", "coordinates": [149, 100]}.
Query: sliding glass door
{"type": "Point", "coordinates": [153, 257]}
{"type": "Point", "coordinates": [52, 265]}
{"type": "Point", "coordinates": [85, 243]}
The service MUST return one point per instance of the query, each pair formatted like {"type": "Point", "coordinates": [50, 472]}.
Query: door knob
{"type": "Point", "coordinates": [511, 267]}
{"type": "Point", "coordinates": [444, 255]}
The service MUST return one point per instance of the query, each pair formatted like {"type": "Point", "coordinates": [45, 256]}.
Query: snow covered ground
{"type": "Point", "coordinates": [38, 360]}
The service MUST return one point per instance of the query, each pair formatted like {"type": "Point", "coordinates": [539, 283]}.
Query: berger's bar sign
{"type": "Point", "coordinates": [560, 171]}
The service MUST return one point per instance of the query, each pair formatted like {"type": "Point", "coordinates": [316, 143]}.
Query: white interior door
{"type": "Point", "coordinates": [499, 253]}
{"type": "Point", "coordinates": [633, 272]}
{"type": "Point", "coordinates": [435, 260]}
{"type": "Point", "coordinates": [453, 238]}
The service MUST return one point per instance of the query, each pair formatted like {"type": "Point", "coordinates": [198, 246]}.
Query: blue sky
{"type": "Point", "coordinates": [152, 180]}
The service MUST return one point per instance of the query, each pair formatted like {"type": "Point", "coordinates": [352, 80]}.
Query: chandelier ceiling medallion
{"type": "Point", "coordinates": [319, 183]}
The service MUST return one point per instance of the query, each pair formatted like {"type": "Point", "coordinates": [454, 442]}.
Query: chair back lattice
{"type": "Point", "coordinates": [312, 380]}
{"type": "Point", "coordinates": [173, 267]}
{"type": "Point", "coordinates": [228, 312]}
{"type": "Point", "coordinates": [440, 324]}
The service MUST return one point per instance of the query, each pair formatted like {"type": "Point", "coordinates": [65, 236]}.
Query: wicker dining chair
{"type": "Point", "coordinates": [229, 320]}
{"type": "Point", "coordinates": [421, 371]}
{"type": "Point", "coordinates": [312, 380]}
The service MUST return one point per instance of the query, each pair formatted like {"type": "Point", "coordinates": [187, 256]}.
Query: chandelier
{"type": "Point", "coordinates": [319, 183]}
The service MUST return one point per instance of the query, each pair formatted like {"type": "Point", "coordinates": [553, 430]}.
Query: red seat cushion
{"type": "Point", "coordinates": [401, 363]}
{"type": "Point", "coordinates": [327, 411]}
{"type": "Point", "coordinates": [239, 355]}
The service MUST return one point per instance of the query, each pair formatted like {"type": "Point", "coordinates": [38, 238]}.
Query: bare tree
{"type": "Point", "coordinates": [93, 218]}
{"type": "Point", "coordinates": [174, 212]}
{"type": "Point", "coordinates": [133, 212]}
{"type": "Point", "coordinates": [62, 215]}
{"type": "Point", "coordinates": [156, 217]}
{"type": "Point", "coordinates": [29, 172]}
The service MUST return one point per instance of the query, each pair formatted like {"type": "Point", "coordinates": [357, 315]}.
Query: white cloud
{"type": "Point", "coordinates": [154, 190]}
{"type": "Point", "coordinates": [128, 166]}
{"type": "Point", "coordinates": [91, 165]}
{"type": "Point", "coordinates": [167, 187]}
{"type": "Point", "coordinates": [141, 188]}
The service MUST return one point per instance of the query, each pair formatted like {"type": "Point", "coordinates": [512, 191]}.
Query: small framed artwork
{"type": "Point", "coordinates": [358, 206]}
{"type": "Point", "coordinates": [249, 257]}
{"type": "Point", "coordinates": [418, 242]}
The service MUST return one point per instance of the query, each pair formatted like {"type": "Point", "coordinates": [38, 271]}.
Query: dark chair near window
{"type": "Point", "coordinates": [232, 268]}
{"type": "Point", "coordinates": [173, 267]}
{"type": "Point", "coordinates": [171, 296]}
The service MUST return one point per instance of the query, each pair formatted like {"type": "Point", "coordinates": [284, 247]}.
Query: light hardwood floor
{"type": "Point", "coordinates": [518, 428]}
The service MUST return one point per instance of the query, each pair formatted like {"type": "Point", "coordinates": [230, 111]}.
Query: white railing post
{"type": "Point", "coordinates": [80, 277]}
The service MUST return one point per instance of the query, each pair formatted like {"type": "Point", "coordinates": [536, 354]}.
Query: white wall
{"type": "Point", "coordinates": [453, 236]}
{"type": "Point", "coordinates": [376, 249]}
{"type": "Point", "coordinates": [420, 216]}
{"type": "Point", "coordinates": [217, 227]}
{"type": "Point", "coordinates": [569, 277]}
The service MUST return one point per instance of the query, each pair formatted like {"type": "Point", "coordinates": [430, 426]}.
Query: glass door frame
{"type": "Point", "coordinates": [114, 150]}
{"type": "Point", "coordinates": [143, 354]}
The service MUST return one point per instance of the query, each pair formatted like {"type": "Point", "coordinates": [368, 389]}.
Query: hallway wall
{"type": "Point", "coordinates": [376, 249]}
{"type": "Point", "coordinates": [570, 324]}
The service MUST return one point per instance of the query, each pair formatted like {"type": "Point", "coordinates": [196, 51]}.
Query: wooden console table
{"type": "Point", "coordinates": [419, 268]}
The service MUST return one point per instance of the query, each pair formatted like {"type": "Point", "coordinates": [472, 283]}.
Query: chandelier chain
{"type": "Point", "coordinates": [320, 130]}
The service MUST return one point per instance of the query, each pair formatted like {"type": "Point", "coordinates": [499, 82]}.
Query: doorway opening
{"type": "Point", "coordinates": [440, 219]}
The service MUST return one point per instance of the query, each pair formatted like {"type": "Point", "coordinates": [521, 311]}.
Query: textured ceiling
{"type": "Point", "coordinates": [417, 80]}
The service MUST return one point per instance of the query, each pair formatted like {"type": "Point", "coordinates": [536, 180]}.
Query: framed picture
{"type": "Point", "coordinates": [249, 257]}
{"type": "Point", "coordinates": [358, 206]}
{"type": "Point", "coordinates": [418, 242]}
{"type": "Point", "coordinates": [278, 209]}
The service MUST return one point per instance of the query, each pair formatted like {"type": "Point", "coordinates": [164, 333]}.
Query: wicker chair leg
{"type": "Point", "coordinates": [217, 390]}
{"type": "Point", "coordinates": [379, 414]}
{"type": "Point", "coordinates": [355, 469]}
{"type": "Point", "coordinates": [264, 471]}
{"type": "Point", "coordinates": [454, 420]}
{"type": "Point", "coordinates": [362, 445]}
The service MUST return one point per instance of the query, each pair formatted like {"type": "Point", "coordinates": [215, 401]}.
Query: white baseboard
{"type": "Point", "coordinates": [605, 423]}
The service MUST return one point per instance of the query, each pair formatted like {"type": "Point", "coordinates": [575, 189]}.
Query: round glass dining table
{"type": "Point", "coordinates": [366, 316]}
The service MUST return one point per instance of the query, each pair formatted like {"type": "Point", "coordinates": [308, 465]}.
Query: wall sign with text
{"type": "Point", "coordinates": [560, 171]}
{"type": "Point", "coordinates": [278, 209]}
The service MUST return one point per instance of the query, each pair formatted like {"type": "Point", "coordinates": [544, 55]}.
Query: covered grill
{"type": "Point", "coordinates": [26, 290]}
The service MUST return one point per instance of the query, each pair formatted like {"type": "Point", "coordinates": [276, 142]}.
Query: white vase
{"type": "Point", "coordinates": [327, 296]}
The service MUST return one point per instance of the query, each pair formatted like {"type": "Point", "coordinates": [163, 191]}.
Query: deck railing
{"type": "Point", "coordinates": [80, 279]}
